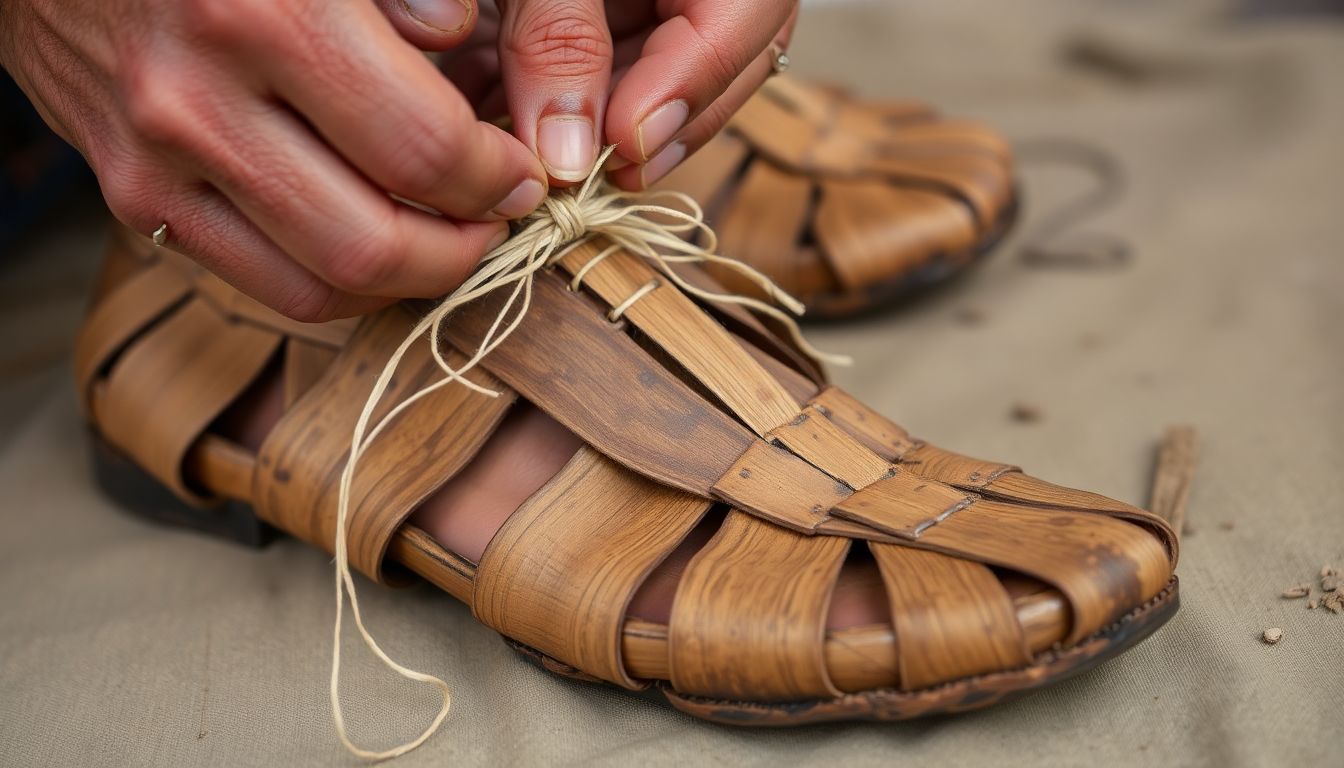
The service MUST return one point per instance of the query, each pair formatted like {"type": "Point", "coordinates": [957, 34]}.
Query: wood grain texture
{"type": "Point", "coordinates": [781, 134]}
{"type": "Point", "coordinates": [848, 204]}
{"type": "Point", "coordinates": [1103, 565]}
{"type": "Point", "coordinates": [960, 695]}
{"type": "Point", "coordinates": [710, 175]}
{"type": "Point", "coordinates": [799, 385]}
{"type": "Point", "coordinates": [297, 479]}
{"type": "Point", "coordinates": [305, 363]}
{"type": "Point", "coordinates": [126, 309]}
{"type": "Point", "coordinates": [883, 436]}
{"type": "Point", "coordinates": [870, 230]}
{"type": "Point", "coordinates": [814, 437]}
{"type": "Point", "coordinates": [953, 618]}
{"type": "Point", "coordinates": [1172, 474]}
{"type": "Point", "coordinates": [191, 366]}
{"type": "Point", "coordinates": [981, 565]}
{"type": "Point", "coordinates": [751, 330]}
{"type": "Point", "coordinates": [982, 182]}
{"type": "Point", "coordinates": [776, 485]}
{"type": "Point", "coordinates": [560, 572]}
{"type": "Point", "coordinates": [857, 658]}
{"type": "Point", "coordinates": [1028, 490]}
{"type": "Point", "coordinates": [749, 617]}
{"type": "Point", "coordinates": [903, 504]}
{"type": "Point", "coordinates": [691, 337]}
{"type": "Point", "coordinates": [221, 466]}
{"type": "Point", "coordinates": [953, 468]}
{"type": "Point", "coordinates": [418, 552]}
{"type": "Point", "coordinates": [591, 377]}
{"type": "Point", "coordinates": [764, 224]}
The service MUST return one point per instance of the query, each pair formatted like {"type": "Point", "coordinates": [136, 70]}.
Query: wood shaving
{"type": "Point", "coordinates": [1296, 591]}
{"type": "Point", "coordinates": [1272, 635]}
{"type": "Point", "coordinates": [1334, 601]}
{"type": "Point", "coordinates": [1331, 580]}
{"type": "Point", "coordinates": [1332, 585]}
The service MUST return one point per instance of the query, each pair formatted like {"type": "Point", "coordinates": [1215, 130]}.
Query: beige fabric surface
{"type": "Point", "coordinates": [127, 644]}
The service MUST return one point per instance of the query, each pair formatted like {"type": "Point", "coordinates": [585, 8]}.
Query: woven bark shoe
{"type": "Point", "coordinates": [696, 423]}
{"type": "Point", "coordinates": [846, 205]}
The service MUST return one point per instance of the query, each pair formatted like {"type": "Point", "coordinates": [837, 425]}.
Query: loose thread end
{"type": "Point", "coordinates": [839, 361]}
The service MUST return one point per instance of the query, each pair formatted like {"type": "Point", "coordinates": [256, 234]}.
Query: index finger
{"type": "Point", "coordinates": [386, 109]}
{"type": "Point", "coordinates": [686, 64]}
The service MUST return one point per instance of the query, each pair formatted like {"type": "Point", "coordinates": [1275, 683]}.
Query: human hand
{"type": "Point", "coordinates": [660, 77]}
{"type": "Point", "coordinates": [268, 134]}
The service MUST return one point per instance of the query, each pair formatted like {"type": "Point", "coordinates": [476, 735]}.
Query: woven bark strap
{"type": "Point", "coordinates": [749, 618]}
{"type": "Point", "coordinates": [191, 365]}
{"type": "Point", "coordinates": [560, 573]}
{"type": "Point", "coordinates": [120, 317]}
{"type": "Point", "coordinates": [294, 486]}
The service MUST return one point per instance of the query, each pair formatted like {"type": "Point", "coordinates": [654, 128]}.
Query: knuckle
{"type": "Point", "coordinates": [365, 264]}
{"type": "Point", "coordinates": [421, 165]}
{"type": "Point", "coordinates": [716, 64]}
{"type": "Point", "coordinates": [127, 190]}
{"type": "Point", "coordinates": [268, 176]}
{"type": "Point", "coordinates": [158, 108]}
{"type": "Point", "coordinates": [270, 180]}
{"type": "Point", "coordinates": [233, 20]}
{"type": "Point", "coordinates": [561, 39]}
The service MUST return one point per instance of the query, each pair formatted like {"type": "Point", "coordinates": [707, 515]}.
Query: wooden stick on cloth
{"type": "Point", "coordinates": [1176, 458]}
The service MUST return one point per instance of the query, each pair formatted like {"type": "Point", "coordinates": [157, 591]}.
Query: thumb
{"type": "Point", "coordinates": [431, 25]}
{"type": "Point", "coordinates": [555, 58]}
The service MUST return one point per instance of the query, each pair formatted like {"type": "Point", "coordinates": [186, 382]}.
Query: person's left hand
{"type": "Point", "coordinates": [656, 77]}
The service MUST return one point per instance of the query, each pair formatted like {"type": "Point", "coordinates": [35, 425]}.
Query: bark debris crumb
{"type": "Point", "coordinates": [1296, 591]}
{"type": "Point", "coordinates": [1332, 584]}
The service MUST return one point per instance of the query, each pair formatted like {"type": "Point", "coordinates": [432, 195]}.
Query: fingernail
{"type": "Point", "coordinates": [658, 128]}
{"type": "Point", "coordinates": [499, 238]}
{"type": "Point", "coordinates": [523, 200]}
{"type": "Point", "coordinates": [662, 162]}
{"type": "Point", "coordinates": [439, 15]}
{"type": "Point", "coordinates": [567, 147]}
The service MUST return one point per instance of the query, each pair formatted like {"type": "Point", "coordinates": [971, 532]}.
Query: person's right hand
{"type": "Point", "coordinates": [267, 135]}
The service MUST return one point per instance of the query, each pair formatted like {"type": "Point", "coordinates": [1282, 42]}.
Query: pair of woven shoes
{"type": "Point", "coordinates": [712, 455]}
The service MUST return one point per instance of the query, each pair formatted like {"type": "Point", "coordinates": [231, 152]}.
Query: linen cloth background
{"type": "Point", "coordinates": [123, 643]}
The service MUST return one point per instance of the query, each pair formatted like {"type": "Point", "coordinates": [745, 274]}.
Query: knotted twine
{"type": "Point", "coordinates": [567, 219]}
